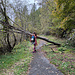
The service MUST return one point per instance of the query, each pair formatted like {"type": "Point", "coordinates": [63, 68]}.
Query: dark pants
{"type": "Point", "coordinates": [34, 47]}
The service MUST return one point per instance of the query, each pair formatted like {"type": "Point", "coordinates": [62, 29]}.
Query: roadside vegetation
{"type": "Point", "coordinates": [17, 62]}
{"type": "Point", "coordinates": [62, 57]}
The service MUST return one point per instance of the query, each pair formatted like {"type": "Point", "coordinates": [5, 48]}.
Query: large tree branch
{"type": "Point", "coordinates": [26, 32]}
{"type": "Point", "coordinates": [48, 40]}
{"type": "Point", "coordinates": [15, 28]}
{"type": "Point", "coordinates": [16, 23]}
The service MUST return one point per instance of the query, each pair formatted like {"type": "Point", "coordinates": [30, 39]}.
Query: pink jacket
{"type": "Point", "coordinates": [35, 41]}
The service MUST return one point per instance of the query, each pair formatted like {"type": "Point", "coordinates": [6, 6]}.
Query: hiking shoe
{"type": "Point", "coordinates": [34, 51]}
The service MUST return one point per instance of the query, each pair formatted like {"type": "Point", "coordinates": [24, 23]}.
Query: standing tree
{"type": "Point", "coordinates": [64, 15]}
{"type": "Point", "coordinates": [5, 19]}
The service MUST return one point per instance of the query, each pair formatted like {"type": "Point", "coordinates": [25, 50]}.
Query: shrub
{"type": "Point", "coordinates": [61, 49]}
{"type": "Point", "coordinates": [71, 40]}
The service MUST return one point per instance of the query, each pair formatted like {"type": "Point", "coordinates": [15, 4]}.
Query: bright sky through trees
{"type": "Point", "coordinates": [29, 3]}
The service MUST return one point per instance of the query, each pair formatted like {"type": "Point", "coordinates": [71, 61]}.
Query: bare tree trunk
{"type": "Point", "coordinates": [9, 46]}
{"type": "Point", "coordinates": [28, 33]}
{"type": "Point", "coordinates": [14, 40]}
{"type": "Point", "coordinates": [5, 27]}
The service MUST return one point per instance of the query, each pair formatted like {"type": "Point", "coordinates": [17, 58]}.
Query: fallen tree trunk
{"type": "Point", "coordinates": [48, 40]}
{"type": "Point", "coordinates": [21, 31]}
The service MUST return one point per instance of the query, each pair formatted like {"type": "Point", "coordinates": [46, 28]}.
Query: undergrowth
{"type": "Point", "coordinates": [62, 57]}
{"type": "Point", "coordinates": [21, 51]}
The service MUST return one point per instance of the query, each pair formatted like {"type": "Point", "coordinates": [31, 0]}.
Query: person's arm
{"type": "Point", "coordinates": [35, 40]}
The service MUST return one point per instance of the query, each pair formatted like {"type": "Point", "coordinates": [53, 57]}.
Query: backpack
{"type": "Point", "coordinates": [33, 38]}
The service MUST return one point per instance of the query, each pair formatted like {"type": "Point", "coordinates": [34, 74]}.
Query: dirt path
{"type": "Point", "coordinates": [40, 65]}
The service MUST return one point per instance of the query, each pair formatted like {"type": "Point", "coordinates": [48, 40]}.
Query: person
{"type": "Point", "coordinates": [34, 41]}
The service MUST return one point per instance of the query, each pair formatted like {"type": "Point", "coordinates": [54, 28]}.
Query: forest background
{"type": "Point", "coordinates": [53, 17]}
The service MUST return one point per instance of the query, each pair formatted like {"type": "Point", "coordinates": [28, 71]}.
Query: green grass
{"type": "Point", "coordinates": [21, 69]}
{"type": "Point", "coordinates": [21, 51]}
{"type": "Point", "coordinates": [62, 58]}
{"type": "Point", "coordinates": [55, 39]}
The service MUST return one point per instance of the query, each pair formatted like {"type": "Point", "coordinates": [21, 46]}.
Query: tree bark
{"type": "Point", "coordinates": [14, 40]}
{"type": "Point", "coordinates": [48, 41]}
{"type": "Point", "coordinates": [9, 46]}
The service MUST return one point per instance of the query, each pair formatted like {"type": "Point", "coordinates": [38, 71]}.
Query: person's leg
{"type": "Point", "coordinates": [34, 47]}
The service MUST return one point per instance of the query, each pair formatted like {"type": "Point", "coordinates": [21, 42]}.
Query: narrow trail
{"type": "Point", "coordinates": [41, 65]}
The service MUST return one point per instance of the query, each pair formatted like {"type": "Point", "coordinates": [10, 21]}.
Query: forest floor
{"type": "Point", "coordinates": [48, 60]}
{"type": "Point", "coordinates": [62, 57]}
